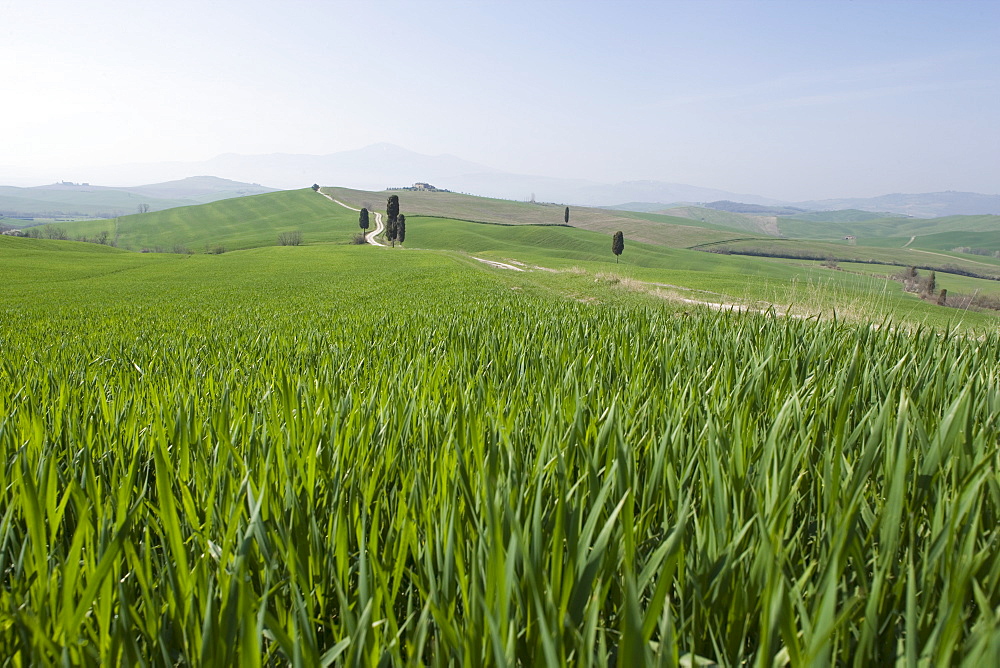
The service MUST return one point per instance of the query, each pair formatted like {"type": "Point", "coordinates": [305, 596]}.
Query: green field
{"type": "Point", "coordinates": [849, 252]}
{"type": "Point", "coordinates": [682, 276]}
{"type": "Point", "coordinates": [841, 216]}
{"type": "Point", "coordinates": [351, 455]}
{"type": "Point", "coordinates": [737, 221]}
{"type": "Point", "coordinates": [894, 231]}
{"type": "Point", "coordinates": [661, 267]}
{"type": "Point", "coordinates": [646, 227]}
{"type": "Point", "coordinates": [246, 222]}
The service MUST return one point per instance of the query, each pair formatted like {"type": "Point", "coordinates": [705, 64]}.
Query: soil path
{"type": "Point", "coordinates": [910, 241]}
{"type": "Point", "coordinates": [379, 227]}
{"type": "Point", "coordinates": [498, 265]}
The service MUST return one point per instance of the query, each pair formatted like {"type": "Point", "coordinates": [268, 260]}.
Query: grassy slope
{"type": "Point", "coordinates": [256, 221]}
{"type": "Point", "coordinates": [209, 425]}
{"type": "Point", "coordinates": [847, 252]}
{"type": "Point", "coordinates": [650, 228]}
{"type": "Point", "coordinates": [985, 239]}
{"type": "Point", "coordinates": [950, 282]}
{"type": "Point", "coordinates": [841, 216]}
{"type": "Point", "coordinates": [896, 228]}
{"type": "Point", "coordinates": [29, 261]}
{"type": "Point", "coordinates": [737, 221]}
{"type": "Point", "coordinates": [804, 287]}
{"type": "Point", "coordinates": [246, 222]}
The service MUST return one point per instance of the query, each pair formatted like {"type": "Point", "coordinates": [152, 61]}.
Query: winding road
{"type": "Point", "coordinates": [379, 227]}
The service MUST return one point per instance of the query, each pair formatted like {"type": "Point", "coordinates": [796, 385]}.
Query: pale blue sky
{"type": "Point", "coordinates": [792, 100]}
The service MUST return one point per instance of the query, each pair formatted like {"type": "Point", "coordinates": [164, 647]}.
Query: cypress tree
{"type": "Point", "coordinates": [566, 216]}
{"type": "Point", "coordinates": [617, 244]}
{"type": "Point", "coordinates": [363, 219]}
{"type": "Point", "coordinates": [391, 215]}
{"type": "Point", "coordinates": [401, 228]}
{"type": "Point", "coordinates": [390, 232]}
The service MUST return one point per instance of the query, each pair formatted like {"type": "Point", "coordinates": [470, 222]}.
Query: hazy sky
{"type": "Point", "coordinates": [792, 100]}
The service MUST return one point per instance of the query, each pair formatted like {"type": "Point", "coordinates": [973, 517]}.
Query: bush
{"type": "Point", "coordinates": [290, 238]}
{"type": "Point", "coordinates": [359, 239]}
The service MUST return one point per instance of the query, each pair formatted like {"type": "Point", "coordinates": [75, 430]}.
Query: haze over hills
{"type": "Point", "coordinates": [66, 199]}
{"type": "Point", "coordinates": [383, 165]}
{"type": "Point", "coordinates": [922, 205]}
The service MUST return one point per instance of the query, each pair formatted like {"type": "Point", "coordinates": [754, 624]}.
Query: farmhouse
{"type": "Point", "coordinates": [420, 186]}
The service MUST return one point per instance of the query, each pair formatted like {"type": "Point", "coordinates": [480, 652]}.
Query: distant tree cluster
{"type": "Point", "coordinates": [978, 251]}
{"type": "Point", "coordinates": [290, 238]}
{"type": "Point", "coordinates": [923, 285]}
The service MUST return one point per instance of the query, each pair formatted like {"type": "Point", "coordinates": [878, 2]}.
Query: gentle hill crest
{"type": "Point", "coordinates": [84, 200]}
{"type": "Point", "coordinates": [384, 165]}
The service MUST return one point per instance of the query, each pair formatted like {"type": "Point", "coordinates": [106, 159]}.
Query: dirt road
{"type": "Point", "coordinates": [379, 227]}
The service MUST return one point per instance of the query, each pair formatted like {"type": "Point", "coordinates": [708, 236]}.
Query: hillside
{"type": "Point", "coordinates": [901, 228]}
{"type": "Point", "coordinates": [649, 228]}
{"type": "Point", "coordinates": [842, 216]}
{"type": "Point", "coordinates": [755, 224]}
{"type": "Point", "coordinates": [230, 224]}
{"type": "Point", "coordinates": [77, 200]}
{"type": "Point", "coordinates": [744, 267]}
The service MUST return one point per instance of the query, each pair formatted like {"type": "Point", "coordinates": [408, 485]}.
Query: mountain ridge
{"type": "Point", "coordinates": [383, 165]}
{"type": "Point", "coordinates": [82, 200]}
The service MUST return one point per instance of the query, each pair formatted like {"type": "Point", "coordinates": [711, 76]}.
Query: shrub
{"type": "Point", "coordinates": [290, 238]}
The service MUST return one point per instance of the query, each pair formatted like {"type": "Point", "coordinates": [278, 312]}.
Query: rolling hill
{"type": "Point", "coordinates": [82, 200]}
{"type": "Point", "coordinates": [755, 224]}
{"type": "Point", "coordinates": [650, 228]}
{"type": "Point", "coordinates": [751, 268]}
{"type": "Point", "coordinates": [246, 222]}
{"type": "Point", "coordinates": [899, 228]}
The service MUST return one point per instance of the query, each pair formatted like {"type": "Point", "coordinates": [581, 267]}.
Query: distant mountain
{"type": "Point", "coordinates": [374, 167]}
{"type": "Point", "coordinates": [201, 188]}
{"type": "Point", "coordinates": [83, 200]}
{"type": "Point", "coordinates": [383, 165]}
{"type": "Point", "coordinates": [665, 193]}
{"type": "Point", "coordinates": [754, 209]}
{"type": "Point", "coordinates": [923, 205]}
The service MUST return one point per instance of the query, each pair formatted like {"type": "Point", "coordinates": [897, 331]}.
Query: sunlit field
{"type": "Point", "coordinates": [350, 455]}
